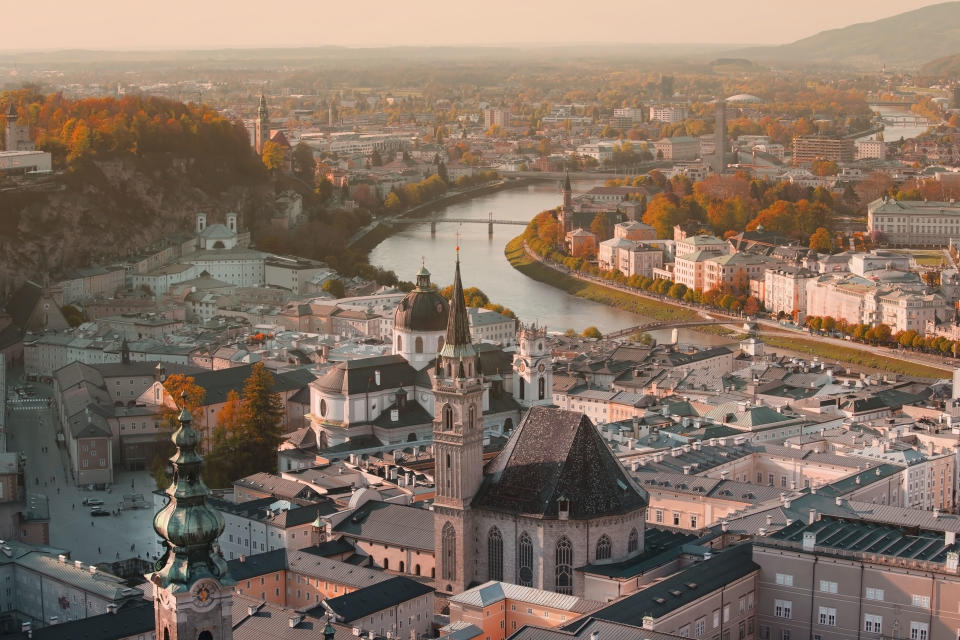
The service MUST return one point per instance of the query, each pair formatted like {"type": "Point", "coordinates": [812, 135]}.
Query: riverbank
{"type": "Point", "coordinates": [646, 307]}
{"type": "Point", "coordinates": [664, 310]}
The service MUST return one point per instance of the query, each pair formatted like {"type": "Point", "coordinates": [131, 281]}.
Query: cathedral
{"type": "Point", "coordinates": [553, 500]}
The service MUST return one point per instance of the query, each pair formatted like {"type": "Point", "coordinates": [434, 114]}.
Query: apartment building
{"type": "Point", "coordinates": [677, 149]}
{"type": "Point", "coordinates": [669, 113]}
{"type": "Point", "coordinates": [808, 149]}
{"type": "Point", "coordinates": [785, 290]}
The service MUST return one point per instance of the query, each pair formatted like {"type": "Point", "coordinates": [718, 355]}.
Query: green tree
{"type": "Point", "coordinates": [335, 288]}
{"type": "Point", "coordinates": [73, 315]}
{"type": "Point", "coordinates": [592, 332]}
{"type": "Point", "coordinates": [303, 162]}
{"type": "Point", "coordinates": [602, 226]}
{"type": "Point", "coordinates": [261, 418]}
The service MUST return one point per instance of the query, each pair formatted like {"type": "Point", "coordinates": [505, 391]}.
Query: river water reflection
{"type": "Point", "coordinates": [484, 265]}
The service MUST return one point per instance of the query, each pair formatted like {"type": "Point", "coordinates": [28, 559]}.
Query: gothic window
{"type": "Point", "coordinates": [418, 345]}
{"type": "Point", "coordinates": [525, 560]}
{"type": "Point", "coordinates": [543, 387]}
{"type": "Point", "coordinates": [603, 548]}
{"type": "Point", "coordinates": [495, 555]}
{"type": "Point", "coordinates": [205, 635]}
{"type": "Point", "coordinates": [447, 417]}
{"type": "Point", "coordinates": [439, 344]}
{"type": "Point", "coordinates": [399, 344]}
{"type": "Point", "coordinates": [323, 407]}
{"type": "Point", "coordinates": [472, 417]}
{"type": "Point", "coordinates": [523, 388]}
{"type": "Point", "coordinates": [633, 542]}
{"type": "Point", "coordinates": [449, 550]}
{"type": "Point", "coordinates": [564, 566]}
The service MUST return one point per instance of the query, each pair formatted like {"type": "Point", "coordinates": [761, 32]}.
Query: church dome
{"type": "Point", "coordinates": [423, 309]}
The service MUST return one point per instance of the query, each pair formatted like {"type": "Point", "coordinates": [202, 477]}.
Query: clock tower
{"type": "Point", "coordinates": [533, 368]}
{"type": "Point", "coordinates": [193, 592]}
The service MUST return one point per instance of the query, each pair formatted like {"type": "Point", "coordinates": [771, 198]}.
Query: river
{"type": "Point", "coordinates": [893, 133]}
{"type": "Point", "coordinates": [484, 265]}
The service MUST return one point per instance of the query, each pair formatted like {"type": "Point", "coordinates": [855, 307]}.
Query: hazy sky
{"type": "Point", "coordinates": [176, 24]}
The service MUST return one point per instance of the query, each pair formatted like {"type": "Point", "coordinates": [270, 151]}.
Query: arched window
{"type": "Point", "coordinates": [633, 542]}
{"type": "Point", "coordinates": [205, 635]}
{"type": "Point", "coordinates": [543, 388]}
{"type": "Point", "coordinates": [447, 417]}
{"type": "Point", "coordinates": [439, 344]}
{"type": "Point", "coordinates": [523, 388]}
{"type": "Point", "coordinates": [416, 569]}
{"type": "Point", "coordinates": [449, 552]}
{"type": "Point", "coordinates": [564, 566]}
{"type": "Point", "coordinates": [471, 417]}
{"type": "Point", "coordinates": [470, 368]}
{"type": "Point", "coordinates": [418, 345]}
{"type": "Point", "coordinates": [399, 344]}
{"type": "Point", "coordinates": [166, 634]}
{"type": "Point", "coordinates": [525, 560]}
{"type": "Point", "coordinates": [494, 555]}
{"type": "Point", "coordinates": [386, 564]}
{"type": "Point", "coordinates": [603, 548]}
{"type": "Point", "coordinates": [402, 566]}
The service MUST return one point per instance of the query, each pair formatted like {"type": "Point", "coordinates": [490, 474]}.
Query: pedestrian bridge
{"type": "Point", "coordinates": [489, 221]}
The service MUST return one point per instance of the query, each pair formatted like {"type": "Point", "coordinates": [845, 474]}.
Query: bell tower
{"type": "Point", "coordinates": [193, 592]}
{"type": "Point", "coordinates": [262, 127]}
{"type": "Point", "coordinates": [533, 368]}
{"type": "Point", "coordinates": [457, 445]}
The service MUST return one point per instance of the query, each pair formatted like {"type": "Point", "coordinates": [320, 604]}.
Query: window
{"type": "Point", "coordinates": [759, 477]}
{"type": "Point", "coordinates": [716, 618]}
{"type": "Point", "coordinates": [495, 555]}
{"type": "Point", "coordinates": [919, 630]}
{"type": "Point", "coordinates": [693, 522]}
{"type": "Point", "coordinates": [874, 594]}
{"type": "Point", "coordinates": [564, 566]}
{"type": "Point", "coordinates": [872, 623]}
{"type": "Point", "coordinates": [741, 631]}
{"type": "Point", "coordinates": [828, 616]}
{"type": "Point", "coordinates": [783, 482]}
{"type": "Point", "coordinates": [447, 413]}
{"type": "Point", "coordinates": [785, 634]}
{"type": "Point", "coordinates": [633, 542]}
{"type": "Point", "coordinates": [603, 548]}
{"type": "Point", "coordinates": [750, 601]}
{"type": "Point", "coordinates": [418, 345]}
{"type": "Point", "coordinates": [684, 631]}
{"type": "Point", "coordinates": [826, 586]}
{"type": "Point", "coordinates": [449, 550]}
{"type": "Point", "coordinates": [676, 519]}
{"type": "Point", "coordinates": [658, 515]}
{"type": "Point", "coordinates": [764, 632]}
{"type": "Point", "coordinates": [726, 613]}
{"type": "Point", "coordinates": [525, 560]}
{"type": "Point", "coordinates": [921, 601]}
{"type": "Point", "coordinates": [542, 388]}
{"type": "Point", "coordinates": [782, 608]}
{"type": "Point", "coordinates": [785, 579]}
{"type": "Point", "coordinates": [699, 626]}
{"type": "Point", "coordinates": [743, 604]}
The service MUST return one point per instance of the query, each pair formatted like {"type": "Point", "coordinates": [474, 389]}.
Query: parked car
{"type": "Point", "coordinates": [97, 512]}
{"type": "Point", "coordinates": [92, 502]}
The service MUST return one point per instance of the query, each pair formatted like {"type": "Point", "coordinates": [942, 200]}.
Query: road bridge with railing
{"type": "Point", "coordinates": [655, 326]}
{"type": "Point", "coordinates": [489, 221]}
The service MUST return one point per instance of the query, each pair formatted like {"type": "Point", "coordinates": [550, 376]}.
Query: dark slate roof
{"type": "Point", "coordinates": [22, 303]}
{"type": "Point", "coordinates": [329, 548]}
{"type": "Point", "coordinates": [659, 547]}
{"type": "Point", "coordinates": [363, 602]}
{"type": "Point", "coordinates": [553, 454]}
{"type": "Point", "coordinates": [390, 523]}
{"type": "Point", "coordinates": [412, 414]}
{"type": "Point", "coordinates": [584, 628]}
{"type": "Point", "coordinates": [684, 587]}
{"type": "Point", "coordinates": [258, 565]}
{"type": "Point", "coordinates": [458, 342]}
{"type": "Point", "coordinates": [218, 384]}
{"type": "Point", "coordinates": [358, 376]}
{"type": "Point", "coordinates": [11, 334]}
{"type": "Point", "coordinates": [423, 309]}
{"type": "Point", "coordinates": [133, 619]}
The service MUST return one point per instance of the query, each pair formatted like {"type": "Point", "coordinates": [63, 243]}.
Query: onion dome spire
{"type": "Point", "coordinates": [187, 523]}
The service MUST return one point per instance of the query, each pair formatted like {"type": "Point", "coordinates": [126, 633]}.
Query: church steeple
{"type": "Point", "coordinates": [458, 389]}
{"type": "Point", "coordinates": [192, 587]}
{"type": "Point", "coordinates": [262, 125]}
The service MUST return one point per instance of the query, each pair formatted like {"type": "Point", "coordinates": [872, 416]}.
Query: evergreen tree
{"type": "Point", "coordinates": [260, 423]}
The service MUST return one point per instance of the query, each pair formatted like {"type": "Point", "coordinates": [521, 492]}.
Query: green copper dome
{"type": "Point", "coordinates": [187, 523]}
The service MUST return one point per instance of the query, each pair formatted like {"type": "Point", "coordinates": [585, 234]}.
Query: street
{"type": "Point", "coordinates": [31, 426]}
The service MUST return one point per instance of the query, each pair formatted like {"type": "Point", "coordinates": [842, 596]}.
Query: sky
{"type": "Point", "coordinates": [205, 24]}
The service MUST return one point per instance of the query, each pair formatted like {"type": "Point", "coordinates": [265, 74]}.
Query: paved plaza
{"type": "Point", "coordinates": [31, 428]}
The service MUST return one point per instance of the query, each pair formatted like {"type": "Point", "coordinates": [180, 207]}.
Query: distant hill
{"type": "Point", "coordinates": [907, 39]}
{"type": "Point", "coordinates": [944, 67]}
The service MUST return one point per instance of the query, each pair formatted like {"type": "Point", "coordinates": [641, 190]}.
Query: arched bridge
{"type": "Point", "coordinates": [654, 326]}
{"type": "Point", "coordinates": [489, 221]}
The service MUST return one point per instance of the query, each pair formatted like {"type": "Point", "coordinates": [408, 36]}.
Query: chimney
{"type": "Point", "coordinates": [251, 610]}
{"type": "Point", "coordinates": [686, 469]}
{"type": "Point", "coordinates": [769, 520]}
{"type": "Point", "coordinates": [936, 512]}
{"type": "Point", "coordinates": [949, 538]}
{"type": "Point", "coordinates": [839, 501]}
{"type": "Point", "coordinates": [786, 503]}
{"type": "Point", "coordinates": [294, 620]}
{"type": "Point", "coordinates": [762, 531]}
{"type": "Point", "coordinates": [243, 558]}
{"type": "Point", "coordinates": [809, 540]}
{"type": "Point", "coordinates": [112, 608]}
{"type": "Point", "coordinates": [783, 497]}
{"type": "Point", "coordinates": [594, 635]}
{"type": "Point", "coordinates": [723, 526]}
{"type": "Point", "coordinates": [812, 516]}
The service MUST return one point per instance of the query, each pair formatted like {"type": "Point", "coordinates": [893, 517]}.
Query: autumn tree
{"type": "Point", "coordinates": [822, 241]}
{"type": "Point", "coordinates": [592, 332]}
{"type": "Point", "coordinates": [273, 156]}
{"type": "Point", "coordinates": [303, 162]}
{"type": "Point", "coordinates": [335, 288]}
{"type": "Point", "coordinates": [602, 226]}
{"type": "Point", "coordinates": [187, 394]}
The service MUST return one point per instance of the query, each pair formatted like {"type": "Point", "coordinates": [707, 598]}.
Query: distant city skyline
{"type": "Point", "coordinates": [178, 24]}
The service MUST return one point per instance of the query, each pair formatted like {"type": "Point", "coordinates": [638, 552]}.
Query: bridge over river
{"type": "Point", "coordinates": [489, 221]}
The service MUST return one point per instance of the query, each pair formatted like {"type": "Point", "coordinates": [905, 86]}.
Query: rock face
{"type": "Point", "coordinates": [105, 210]}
